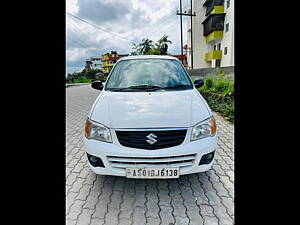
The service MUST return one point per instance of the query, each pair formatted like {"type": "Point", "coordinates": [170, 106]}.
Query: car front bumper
{"type": "Point", "coordinates": [188, 149]}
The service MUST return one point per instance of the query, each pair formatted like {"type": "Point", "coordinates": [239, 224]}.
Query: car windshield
{"type": "Point", "coordinates": [145, 74]}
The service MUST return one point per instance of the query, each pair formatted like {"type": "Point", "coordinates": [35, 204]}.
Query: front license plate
{"type": "Point", "coordinates": [152, 173]}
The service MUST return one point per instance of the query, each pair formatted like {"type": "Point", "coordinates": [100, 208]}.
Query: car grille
{"type": "Point", "coordinates": [154, 162]}
{"type": "Point", "coordinates": [138, 139]}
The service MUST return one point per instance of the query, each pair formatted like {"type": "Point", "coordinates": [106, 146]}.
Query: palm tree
{"type": "Point", "coordinates": [163, 44]}
{"type": "Point", "coordinates": [146, 46]}
{"type": "Point", "coordinates": [143, 48]}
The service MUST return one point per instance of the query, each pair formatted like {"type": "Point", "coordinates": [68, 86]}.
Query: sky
{"type": "Point", "coordinates": [130, 20]}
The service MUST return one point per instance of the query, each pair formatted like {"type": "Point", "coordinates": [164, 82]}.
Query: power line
{"type": "Point", "coordinates": [78, 43]}
{"type": "Point", "coordinates": [82, 45]}
{"type": "Point", "coordinates": [72, 35]}
{"type": "Point", "coordinates": [86, 38]}
{"type": "Point", "coordinates": [78, 36]}
{"type": "Point", "coordinates": [162, 25]}
{"type": "Point", "coordinates": [96, 26]}
{"type": "Point", "coordinates": [75, 38]}
{"type": "Point", "coordinates": [81, 34]}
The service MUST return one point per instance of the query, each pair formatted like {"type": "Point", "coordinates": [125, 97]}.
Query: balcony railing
{"type": "Point", "coordinates": [215, 35]}
{"type": "Point", "coordinates": [215, 54]}
{"type": "Point", "coordinates": [218, 9]}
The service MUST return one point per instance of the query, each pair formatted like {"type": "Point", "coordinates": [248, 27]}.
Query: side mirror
{"type": "Point", "coordinates": [198, 83]}
{"type": "Point", "coordinates": [97, 85]}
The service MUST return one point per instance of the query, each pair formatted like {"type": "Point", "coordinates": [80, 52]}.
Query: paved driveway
{"type": "Point", "coordinates": [205, 198]}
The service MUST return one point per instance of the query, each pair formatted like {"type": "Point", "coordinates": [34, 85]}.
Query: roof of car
{"type": "Point", "coordinates": [148, 57]}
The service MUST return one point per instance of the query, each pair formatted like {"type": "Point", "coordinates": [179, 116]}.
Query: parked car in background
{"type": "Point", "coordinates": [149, 121]}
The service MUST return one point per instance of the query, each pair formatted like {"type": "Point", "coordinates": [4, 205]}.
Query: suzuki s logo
{"type": "Point", "coordinates": [151, 139]}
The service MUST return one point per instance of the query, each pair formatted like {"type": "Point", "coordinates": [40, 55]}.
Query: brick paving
{"type": "Point", "coordinates": [204, 198]}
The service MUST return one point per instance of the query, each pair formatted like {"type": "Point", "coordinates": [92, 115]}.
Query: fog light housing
{"type": "Point", "coordinates": [207, 158]}
{"type": "Point", "coordinates": [95, 161]}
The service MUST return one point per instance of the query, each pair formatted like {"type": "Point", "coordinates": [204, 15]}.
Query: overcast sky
{"type": "Point", "coordinates": [131, 19]}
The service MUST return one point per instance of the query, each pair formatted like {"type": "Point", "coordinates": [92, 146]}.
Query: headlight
{"type": "Point", "coordinates": [97, 131]}
{"type": "Point", "coordinates": [204, 129]}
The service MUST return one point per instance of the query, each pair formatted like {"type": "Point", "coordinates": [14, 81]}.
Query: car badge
{"type": "Point", "coordinates": [151, 139]}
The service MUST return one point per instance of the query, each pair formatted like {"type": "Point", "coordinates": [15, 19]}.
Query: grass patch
{"type": "Point", "coordinates": [79, 80]}
{"type": "Point", "coordinates": [218, 91]}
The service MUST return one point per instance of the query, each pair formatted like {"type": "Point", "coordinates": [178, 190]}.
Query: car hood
{"type": "Point", "coordinates": [160, 109]}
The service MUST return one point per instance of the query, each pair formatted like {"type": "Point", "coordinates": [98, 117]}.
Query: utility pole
{"type": "Point", "coordinates": [191, 15]}
{"type": "Point", "coordinates": [181, 39]}
{"type": "Point", "coordinates": [192, 35]}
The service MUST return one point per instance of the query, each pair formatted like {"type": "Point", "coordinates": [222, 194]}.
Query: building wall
{"type": "Point", "coordinates": [106, 64]}
{"type": "Point", "coordinates": [199, 42]}
{"type": "Point", "coordinates": [96, 63]}
{"type": "Point", "coordinates": [228, 37]}
{"type": "Point", "coordinates": [109, 59]}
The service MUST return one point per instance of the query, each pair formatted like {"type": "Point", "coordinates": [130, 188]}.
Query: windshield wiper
{"type": "Point", "coordinates": [145, 87]}
{"type": "Point", "coordinates": [177, 86]}
{"type": "Point", "coordinates": [137, 87]}
{"type": "Point", "coordinates": [149, 87]}
{"type": "Point", "coordinates": [116, 89]}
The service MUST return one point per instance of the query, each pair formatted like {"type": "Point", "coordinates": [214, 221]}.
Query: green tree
{"type": "Point", "coordinates": [162, 44]}
{"type": "Point", "coordinates": [136, 49]}
{"type": "Point", "coordinates": [144, 48]}
{"type": "Point", "coordinates": [85, 75]}
{"type": "Point", "coordinates": [147, 47]}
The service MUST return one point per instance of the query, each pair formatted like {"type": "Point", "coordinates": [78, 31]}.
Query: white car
{"type": "Point", "coordinates": [150, 121]}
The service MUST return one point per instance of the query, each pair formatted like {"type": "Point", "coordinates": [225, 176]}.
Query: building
{"type": "Point", "coordinates": [93, 63]}
{"type": "Point", "coordinates": [96, 63]}
{"type": "Point", "coordinates": [88, 64]}
{"type": "Point", "coordinates": [182, 58]}
{"type": "Point", "coordinates": [109, 59]}
{"type": "Point", "coordinates": [213, 34]}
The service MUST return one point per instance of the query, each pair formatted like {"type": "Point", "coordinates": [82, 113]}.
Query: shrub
{"type": "Point", "coordinates": [208, 83]}
{"type": "Point", "coordinates": [103, 78]}
{"type": "Point", "coordinates": [86, 76]}
{"type": "Point", "coordinates": [221, 86]}
{"type": "Point", "coordinates": [219, 93]}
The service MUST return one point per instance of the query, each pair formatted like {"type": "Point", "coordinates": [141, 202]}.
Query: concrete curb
{"type": "Point", "coordinates": [77, 84]}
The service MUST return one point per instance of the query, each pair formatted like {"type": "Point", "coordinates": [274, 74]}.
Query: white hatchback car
{"type": "Point", "coordinates": [150, 121]}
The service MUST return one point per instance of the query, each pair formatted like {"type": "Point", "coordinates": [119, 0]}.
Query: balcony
{"type": "Point", "coordinates": [213, 22]}
{"type": "Point", "coordinates": [211, 4]}
{"type": "Point", "coordinates": [215, 35]}
{"type": "Point", "coordinates": [218, 9]}
{"type": "Point", "coordinates": [215, 54]}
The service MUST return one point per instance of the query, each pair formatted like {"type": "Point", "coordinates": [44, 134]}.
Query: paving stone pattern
{"type": "Point", "coordinates": [204, 198]}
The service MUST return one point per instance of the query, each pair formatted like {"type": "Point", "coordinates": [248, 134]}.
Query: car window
{"type": "Point", "coordinates": [152, 72]}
